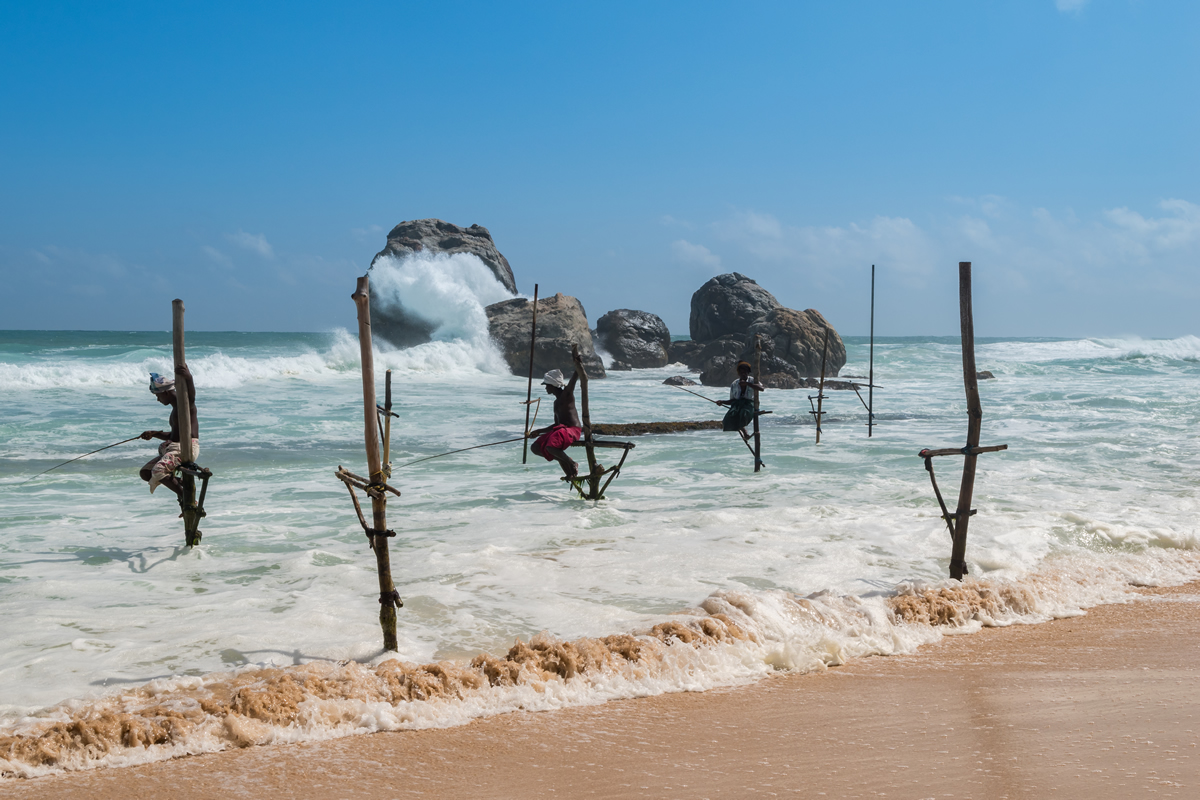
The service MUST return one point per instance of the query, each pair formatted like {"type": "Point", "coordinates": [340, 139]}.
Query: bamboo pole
{"type": "Point", "coordinates": [183, 414]}
{"type": "Point", "coordinates": [757, 377]}
{"type": "Point", "coordinates": [529, 388]}
{"type": "Point", "coordinates": [388, 599]}
{"type": "Point", "coordinates": [871, 373]}
{"type": "Point", "coordinates": [962, 515]}
{"type": "Point", "coordinates": [821, 385]}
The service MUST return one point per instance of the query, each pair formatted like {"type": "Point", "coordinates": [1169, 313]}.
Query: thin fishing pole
{"type": "Point", "coordinates": [85, 455]}
{"type": "Point", "coordinates": [689, 391]}
{"type": "Point", "coordinates": [465, 449]}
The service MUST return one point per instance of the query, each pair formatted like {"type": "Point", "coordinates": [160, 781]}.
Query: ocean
{"type": "Point", "coordinates": [121, 646]}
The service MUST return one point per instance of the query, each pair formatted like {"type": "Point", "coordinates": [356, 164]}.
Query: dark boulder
{"type": "Point", "coordinates": [798, 337]}
{"type": "Point", "coordinates": [561, 322]}
{"type": "Point", "coordinates": [685, 352]}
{"type": "Point", "coordinates": [679, 380]}
{"type": "Point", "coordinates": [728, 303]}
{"type": "Point", "coordinates": [637, 338]}
{"type": "Point", "coordinates": [983, 375]}
{"type": "Point", "coordinates": [402, 327]}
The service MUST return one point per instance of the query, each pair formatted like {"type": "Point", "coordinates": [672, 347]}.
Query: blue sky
{"type": "Point", "coordinates": [252, 157]}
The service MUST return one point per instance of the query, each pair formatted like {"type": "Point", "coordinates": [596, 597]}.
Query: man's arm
{"type": "Point", "coordinates": [570, 389]}
{"type": "Point", "coordinates": [164, 435]}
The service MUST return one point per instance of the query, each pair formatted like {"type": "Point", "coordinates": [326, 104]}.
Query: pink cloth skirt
{"type": "Point", "coordinates": [560, 437]}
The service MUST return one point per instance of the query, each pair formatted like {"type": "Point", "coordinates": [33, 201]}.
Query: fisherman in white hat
{"type": "Point", "coordinates": [552, 442]}
{"type": "Point", "coordinates": [161, 469]}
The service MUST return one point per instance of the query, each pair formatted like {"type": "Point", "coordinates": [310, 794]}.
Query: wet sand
{"type": "Point", "coordinates": [1100, 706]}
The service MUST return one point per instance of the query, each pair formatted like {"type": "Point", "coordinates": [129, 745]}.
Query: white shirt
{"type": "Point", "coordinates": [737, 392]}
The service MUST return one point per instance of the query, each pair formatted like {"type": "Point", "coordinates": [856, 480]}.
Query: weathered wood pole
{"type": "Point", "coordinates": [387, 422]}
{"type": "Point", "coordinates": [529, 389]}
{"type": "Point", "coordinates": [871, 373]}
{"type": "Point", "coordinates": [962, 515]}
{"type": "Point", "coordinates": [183, 413]}
{"type": "Point", "coordinates": [821, 385]}
{"type": "Point", "coordinates": [378, 536]}
{"type": "Point", "coordinates": [757, 377]}
{"type": "Point", "coordinates": [593, 478]}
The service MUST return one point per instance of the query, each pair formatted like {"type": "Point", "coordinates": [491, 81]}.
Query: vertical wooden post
{"type": "Point", "coordinates": [962, 515]}
{"type": "Point", "coordinates": [183, 413]}
{"type": "Point", "coordinates": [529, 388]}
{"type": "Point", "coordinates": [593, 473]}
{"type": "Point", "coordinates": [379, 540]}
{"type": "Point", "coordinates": [757, 377]}
{"type": "Point", "coordinates": [871, 373]}
{"type": "Point", "coordinates": [821, 385]}
{"type": "Point", "coordinates": [387, 423]}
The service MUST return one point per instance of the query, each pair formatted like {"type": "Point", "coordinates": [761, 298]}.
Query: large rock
{"type": "Point", "coordinates": [561, 322]}
{"type": "Point", "coordinates": [401, 327]}
{"type": "Point", "coordinates": [728, 303]}
{"type": "Point", "coordinates": [685, 352]}
{"type": "Point", "coordinates": [798, 337]}
{"type": "Point", "coordinates": [637, 338]}
{"type": "Point", "coordinates": [437, 236]}
{"type": "Point", "coordinates": [730, 311]}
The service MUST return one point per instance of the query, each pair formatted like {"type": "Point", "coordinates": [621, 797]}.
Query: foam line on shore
{"type": "Point", "coordinates": [733, 637]}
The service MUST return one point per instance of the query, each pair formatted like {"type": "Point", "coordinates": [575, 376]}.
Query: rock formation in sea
{"type": "Point", "coordinates": [434, 236]}
{"type": "Point", "coordinates": [637, 338]}
{"type": "Point", "coordinates": [561, 322]}
{"type": "Point", "coordinates": [729, 310]}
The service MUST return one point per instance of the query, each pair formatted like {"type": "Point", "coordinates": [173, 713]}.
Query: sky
{"type": "Point", "coordinates": [251, 157]}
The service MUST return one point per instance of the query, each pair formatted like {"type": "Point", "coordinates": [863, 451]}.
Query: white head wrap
{"type": "Point", "coordinates": [554, 378]}
{"type": "Point", "coordinates": [160, 384]}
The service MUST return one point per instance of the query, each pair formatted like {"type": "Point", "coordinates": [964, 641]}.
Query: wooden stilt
{"type": "Point", "coordinates": [871, 372]}
{"type": "Point", "coordinates": [821, 385]}
{"type": "Point", "coordinates": [192, 510]}
{"type": "Point", "coordinates": [757, 377]}
{"type": "Point", "coordinates": [962, 515]}
{"type": "Point", "coordinates": [959, 521]}
{"type": "Point", "coordinates": [529, 388]}
{"type": "Point", "coordinates": [389, 599]}
{"type": "Point", "coordinates": [594, 469]}
{"type": "Point", "coordinates": [387, 424]}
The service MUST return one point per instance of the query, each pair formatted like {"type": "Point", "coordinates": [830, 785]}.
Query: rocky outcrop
{"type": "Point", "coordinates": [401, 327]}
{"type": "Point", "coordinates": [729, 311]}
{"type": "Point", "coordinates": [728, 304]}
{"type": "Point", "coordinates": [561, 322]}
{"type": "Point", "coordinates": [679, 380]}
{"type": "Point", "coordinates": [637, 338]}
{"type": "Point", "coordinates": [437, 236]}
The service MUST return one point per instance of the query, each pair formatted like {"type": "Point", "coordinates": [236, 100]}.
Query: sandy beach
{"type": "Point", "coordinates": [1092, 707]}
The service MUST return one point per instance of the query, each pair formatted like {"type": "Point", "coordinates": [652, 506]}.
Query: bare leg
{"type": "Point", "coordinates": [173, 485]}
{"type": "Point", "coordinates": [569, 467]}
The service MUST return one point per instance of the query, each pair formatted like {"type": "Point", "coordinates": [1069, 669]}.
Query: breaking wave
{"type": "Point", "coordinates": [733, 637]}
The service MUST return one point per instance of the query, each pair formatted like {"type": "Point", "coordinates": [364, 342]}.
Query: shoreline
{"type": "Point", "coordinates": [1090, 707]}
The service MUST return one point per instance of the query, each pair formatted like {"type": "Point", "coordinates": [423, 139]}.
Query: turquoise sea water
{"type": "Point", "coordinates": [1098, 489]}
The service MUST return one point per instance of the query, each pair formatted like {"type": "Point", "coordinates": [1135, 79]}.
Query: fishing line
{"type": "Point", "coordinates": [85, 455]}
{"type": "Point", "coordinates": [465, 449]}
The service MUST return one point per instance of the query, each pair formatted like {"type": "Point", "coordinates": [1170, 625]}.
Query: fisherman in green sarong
{"type": "Point", "coordinates": [741, 401]}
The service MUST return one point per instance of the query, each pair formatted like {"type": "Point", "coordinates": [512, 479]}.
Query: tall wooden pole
{"type": "Point", "coordinates": [871, 374]}
{"type": "Point", "coordinates": [387, 422]}
{"type": "Point", "coordinates": [962, 515]}
{"type": "Point", "coordinates": [183, 413]}
{"type": "Point", "coordinates": [378, 537]}
{"type": "Point", "coordinates": [821, 385]}
{"type": "Point", "coordinates": [588, 441]}
{"type": "Point", "coordinates": [757, 377]}
{"type": "Point", "coordinates": [529, 389]}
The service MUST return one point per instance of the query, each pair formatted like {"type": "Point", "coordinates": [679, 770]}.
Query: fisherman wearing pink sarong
{"type": "Point", "coordinates": [553, 441]}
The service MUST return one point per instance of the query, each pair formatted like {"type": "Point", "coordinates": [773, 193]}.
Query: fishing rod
{"type": "Point", "coordinates": [85, 455]}
{"type": "Point", "coordinates": [689, 391]}
{"type": "Point", "coordinates": [465, 449]}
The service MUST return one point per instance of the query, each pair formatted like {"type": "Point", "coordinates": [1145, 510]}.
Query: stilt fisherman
{"type": "Point", "coordinates": [554, 440]}
{"type": "Point", "coordinates": [741, 401]}
{"type": "Point", "coordinates": [161, 470]}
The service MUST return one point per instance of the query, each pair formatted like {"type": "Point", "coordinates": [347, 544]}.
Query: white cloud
{"type": "Point", "coordinates": [255, 243]}
{"type": "Point", "coordinates": [689, 253]}
{"type": "Point", "coordinates": [1070, 6]}
{"type": "Point", "coordinates": [217, 256]}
